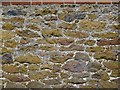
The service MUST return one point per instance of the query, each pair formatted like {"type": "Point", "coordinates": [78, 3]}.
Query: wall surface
{"type": "Point", "coordinates": [60, 46]}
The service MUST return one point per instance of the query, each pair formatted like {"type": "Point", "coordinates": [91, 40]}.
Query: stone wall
{"type": "Point", "coordinates": [60, 46]}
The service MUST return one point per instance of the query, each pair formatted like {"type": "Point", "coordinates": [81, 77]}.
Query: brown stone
{"type": "Point", "coordinates": [36, 84]}
{"type": "Point", "coordinates": [32, 26]}
{"type": "Point", "coordinates": [46, 66]}
{"type": "Point", "coordinates": [60, 58]}
{"type": "Point", "coordinates": [76, 34]}
{"type": "Point", "coordinates": [16, 78]}
{"type": "Point", "coordinates": [75, 81]}
{"type": "Point", "coordinates": [95, 49]}
{"type": "Point", "coordinates": [45, 11]}
{"type": "Point", "coordinates": [64, 75]}
{"type": "Point", "coordinates": [24, 40]}
{"type": "Point", "coordinates": [50, 18]}
{"type": "Point", "coordinates": [10, 68]}
{"type": "Point", "coordinates": [92, 16]}
{"type": "Point", "coordinates": [89, 42]}
{"type": "Point", "coordinates": [28, 58]}
{"type": "Point", "coordinates": [10, 43]}
{"type": "Point", "coordinates": [91, 25]}
{"type": "Point", "coordinates": [33, 67]}
{"type": "Point", "coordinates": [50, 33]}
{"type": "Point", "coordinates": [6, 35]}
{"type": "Point", "coordinates": [7, 26]}
{"type": "Point", "coordinates": [112, 64]}
{"type": "Point", "coordinates": [14, 85]}
{"type": "Point", "coordinates": [107, 84]}
{"type": "Point", "coordinates": [115, 73]}
{"type": "Point", "coordinates": [103, 42]}
{"type": "Point", "coordinates": [27, 33]}
{"type": "Point", "coordinates": [74, 66]}
{"type": "Point", "coordinates": [48, 48]}
{"type": "Point", "coordinates": [106, 35]}
{"type": "Point", "coordinates": [69, 26]}
{"type": "Point", "coordinates": [65, 41]}
{"type": "Point", "coordinates": [52, 82]}
{"type": "Point", "coordinates": [108, 55]}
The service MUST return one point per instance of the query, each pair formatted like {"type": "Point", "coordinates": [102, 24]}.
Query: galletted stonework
{"type": "Point", "coordinates": [60, 46]}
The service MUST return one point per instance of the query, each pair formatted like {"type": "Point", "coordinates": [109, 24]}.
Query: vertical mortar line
{"type": "Point", "coordinates": [96, 2]}
{"type": "Point", "coordinates": [75, 5]}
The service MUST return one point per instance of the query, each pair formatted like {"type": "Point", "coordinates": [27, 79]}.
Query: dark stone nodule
{"type": "Point", "coordinates": [7, 58]}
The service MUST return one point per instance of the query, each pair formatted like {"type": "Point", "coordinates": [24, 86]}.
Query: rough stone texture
{"type": "Point", "coordinates": [74, 66]}
{"type": "Point", "coordinates": [28, 58]}
{"type": "Point", "coordinates": [82, 57]}
{"type": "Point", "coordinates": [60, 46]}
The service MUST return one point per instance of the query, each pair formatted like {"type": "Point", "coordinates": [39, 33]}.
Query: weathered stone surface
{"type": "Point", "coordinates": [35, 75]}
{"type": "Point", "coordinates": [91, 25]}
{"type": "Point", "coordinates": [101, 75]}
{"type": "Point", "coordinates": [72, 47]}
{"type": "Point", "coordinates": [33, 67]}
{"type": "Point", "coordinates": [17, 21]}
{"type": "Point", "coordinates": [7, 26]}
{"type": "Point", "coordinates": [52, 82]}
{"type": "Point", "coordinates": [76, 34]}
{"type": "Point", "coordinates": [60, 58]}
{"type": "Point", "coordinates": [85, 8]}
{"type": "Point", "coordinates": [36, 84]}
{"type": "Point", "coordinates": [92, 16]}
{"type": "Point", "coordinates": [82, 56]}
{"type": "Point", "coordinates": [81, 75]}
{"type": "Point", "coordinates": [6, 50]}
{"type": "Point", "coordinates": [33, 27]}
{"type": "Point", "coordinates": [28, 58]}
{"type": "Point", "coordinates": [94, 64]}
{"type": "Point", "coordinates": [112, 64]}
{"type": "Point", "coordinates": [6, 35]}
{"type": "Point", "coordinates": [10, 68]}
{"type": "Point", "coordinates": [22, 69]}
{"type": "Point", "coordinates": [50, 33]}
{"type": "Point", "coordinates": [107, 84]}
{"type": "Point", "coordinates": [74, 66]}
{"type": "Point", "coordinates": [72, 16]}
{"type": "Point", "coordinates": [115, 73]}
{"type": "Point", "coordinates": [28, 48]}
{"type": "Point", "coordinates": [106, 35]}
{"type": "Point", "coordinates": [50, 18]}
{"type": "Point", "coordinates": [14, 85]}
{"type": "Point", "coordinates": [10, 43]}
{"type": "Point", "coordinates": [65, 41]}
{"type": "Point", "coordinates": [69, 26]}
{"type": "Point", "coordinates": [7, 58]}
{"type": "Point", "coordinates": [16, 78]}
{"type": "Point", "coordinates": [46, 66]}
{"type": "Point", "coordinates": [64, 75]}
{"type": "Point", "coordinates": [45, 11]}
{"type": "Point", "coordinates": [108, 55]}
{"type": "Point", "coordinates": [95, 49]}
{"type": "Point", "coordinates": [103, 42]}
{"type": "Point", "coordinates": [89, 42]}
{"type": "Point", "coordinates": [24, 40]}
{"type": "Point", "coordinates": [27, 33]}
{"type": "Point", "coordinates": [81, 41]}
{"type": "Point", "coordinates": [48, 48]}
{"type": "Point", "coordinates": [75, 81]}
